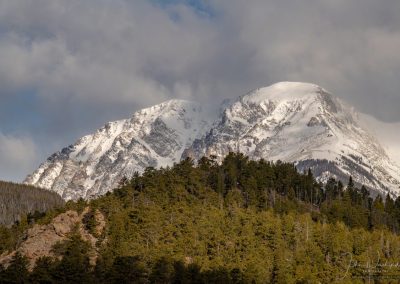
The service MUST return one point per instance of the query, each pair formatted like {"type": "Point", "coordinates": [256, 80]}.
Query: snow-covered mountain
{"type": "Point", "coordinates": [288, 121]}
{"type": "Point", "coordinates": [152, 137]}
{"type": "Point", "coordinates": [388, 133]}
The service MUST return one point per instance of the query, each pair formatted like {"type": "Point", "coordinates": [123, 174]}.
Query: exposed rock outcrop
{"type": "Point", "coordinates": [40, 239]}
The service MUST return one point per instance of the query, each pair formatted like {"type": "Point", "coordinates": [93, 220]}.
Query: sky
{"type": "Point", "coordinates": [68, 66]}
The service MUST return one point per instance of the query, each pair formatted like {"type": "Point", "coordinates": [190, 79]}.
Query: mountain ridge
{"type": "Point", "coordinates": [289, 121]}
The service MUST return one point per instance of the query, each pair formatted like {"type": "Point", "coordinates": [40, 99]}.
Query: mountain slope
{"type": "Point", "coordinates": [288, 121]}
{"type": "Point", "coordinates": [387, 133]}
{"type": "Point", "coordinates": [270, 225]}
{"type": "Point", "coordinates": [17, 200]}
{"type": "Point", "coordinates": [301, 123]}
{"type": "Point", "coordinates": [152, 137]}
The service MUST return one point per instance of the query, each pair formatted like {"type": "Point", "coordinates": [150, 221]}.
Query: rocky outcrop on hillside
{"type": "Point", "coordinates": [40, 239]}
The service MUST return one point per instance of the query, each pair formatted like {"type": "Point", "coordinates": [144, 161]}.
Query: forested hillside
{"type": "Point", "coordinates": [239, 222]}
{"type": "Point", "coordinates": [17, 200]}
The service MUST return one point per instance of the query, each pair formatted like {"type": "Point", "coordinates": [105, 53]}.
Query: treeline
{"type": "Point", "coordinates": [279, 186]}
{"type": "Point", "coordinates": [190, 243]}
{"type": "Point", "coordinates": [74, 267]}
{"type": "Point", "coordinates": [239, 222]}
{"type": "Point", "coordinates": [18, 200]}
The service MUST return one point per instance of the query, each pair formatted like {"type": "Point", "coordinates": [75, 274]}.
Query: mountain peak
{"type": "Point", "coordinates": [177, 102]}
{"type": "Point", "coordinates": [167, 106]}
{"type": "Point", "coordinates": [283, 91]}
{"type": "Point", "coordinates": [288, 121]}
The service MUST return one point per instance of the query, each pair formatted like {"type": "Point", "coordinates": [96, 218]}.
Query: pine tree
{"type": "Point", "coordinates": [163, 271]}
{"type": "Point", "coordinates": [74, 266]}
{"type": "Point", "coordinates": [350, 184]}
{"type": "Point", "coordinates": [128, 269]}
{"type": "Point", "coordinates": [17, 271]}
{"type": "Point", "coordinates": [42, 272]}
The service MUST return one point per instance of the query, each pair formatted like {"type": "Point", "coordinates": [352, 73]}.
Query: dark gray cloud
{"type": "Point", "coordinates": [66, 67]}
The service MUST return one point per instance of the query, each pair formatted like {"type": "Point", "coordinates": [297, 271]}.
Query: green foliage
{"type": "Point", "coordinates": [239, 222]}
{"type": "Point", "coordinates": [74, 266]}
{"type": "Point", "coordinates": [43, 271]}
{"type": "Point", "coordinates": [128, 269]}
{"type": "Point", "coordinates": [7, 239]}
{"type": "Point", "coordinates": [17, 271]}
{"type": "Point", "coordinates": [90, 223]}
{"type": "Point", "coordinates": [163, 271]}
{"type": "Point", "coordinates": [20, 206]}
{"type": "Point", "coordinates": [10, 238]}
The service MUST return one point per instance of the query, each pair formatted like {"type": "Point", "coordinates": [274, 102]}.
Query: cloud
{"type": "Point", "coordinates": [79, 64]}
{"type": "Point", "coordinates": [388, 134]}
{"type": "Point", "coordinates": [349, 47]}
{"type": "Point", "coordinates": [17, 156]}
{"type": "Point", "coordinates": [136, 53]}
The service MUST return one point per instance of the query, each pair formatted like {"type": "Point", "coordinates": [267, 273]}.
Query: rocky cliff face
{"type": "Point", "coordinates": [288, 121]}
{"type": "Point", "coordinates": [40, 239]}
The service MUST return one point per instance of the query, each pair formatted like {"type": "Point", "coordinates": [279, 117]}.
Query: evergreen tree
{"type": "Point", "coordinates": [17, 271]}
{"type": "Point", "coordinates": [163, 271]}
{"type": "Point", "coordinates": [238, 222]}
{"type": "Point", "coordinates": [350, 184]}
{"type": "Point", "coordinates": [128, 269]}
{"type": "Point", "coordinates": [74, 266]}
{"type": "Point", "coordinates": [42, 272]}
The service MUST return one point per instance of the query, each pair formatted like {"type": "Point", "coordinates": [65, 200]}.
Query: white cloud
{"type": "Point", "coordinates": [137, 53]}
{"type": "Point", "coordinates": [99, 52]}
{"type": "Point", "coordinates": [387, 133]}
{"type": "Point", "coordinates": [17, 156]}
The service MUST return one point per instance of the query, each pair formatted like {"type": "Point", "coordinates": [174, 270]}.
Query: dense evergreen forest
{"type": "Point", "coordinates": [239, 222]}
{"type": "Point", "coordinates": [17, 200]}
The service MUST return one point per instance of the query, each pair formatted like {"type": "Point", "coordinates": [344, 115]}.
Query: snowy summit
{"type": "Point", "coordinates": [288, 121]}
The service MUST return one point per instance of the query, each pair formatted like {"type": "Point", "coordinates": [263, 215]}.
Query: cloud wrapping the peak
{"type": "Point", "coordinates": [79, 64]}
